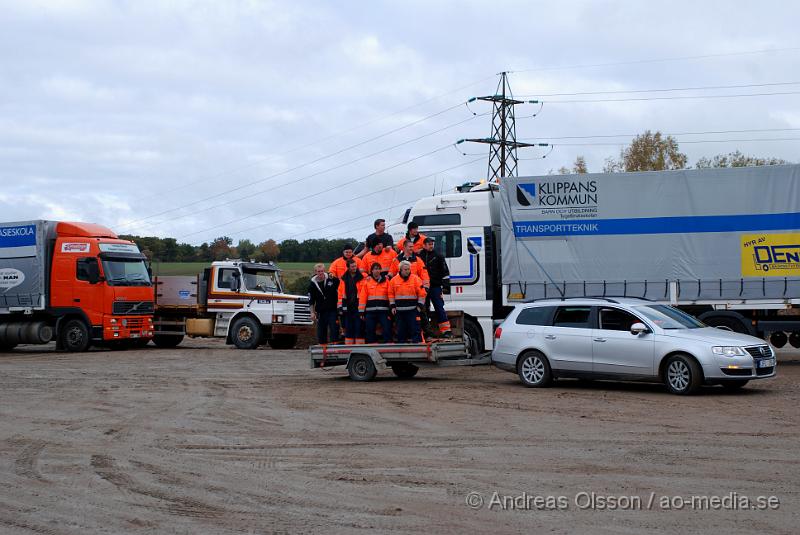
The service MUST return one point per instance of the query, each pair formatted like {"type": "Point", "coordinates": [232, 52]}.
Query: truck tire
{"type": "Point", "coordinates": [534, 370]}
{"type": "Point", "coordinates": [473, 337]}
{"type": "Point", "coordinates": [283, 341]}
{"type": "Point", "coordinates": [682, 375]}
{"type": "Point", "coordinates": [167, 341]}
{"type": "Point", "coordinates": [361, 368]}
{"type": "Point", "coordinates": [74, 336]}
{"type": "Point", "coordinates": [405, 370]}
{"type": "Point", "coordinates": [246, 333]}
{"type": "Point", "coordinates": [731, 321]}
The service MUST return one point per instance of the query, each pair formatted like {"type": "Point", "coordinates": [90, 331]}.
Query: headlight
{"type": "Point", "coordinates": [728, 351]}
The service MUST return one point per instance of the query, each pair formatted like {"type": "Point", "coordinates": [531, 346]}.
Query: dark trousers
{"type": "Point", "coordinates": [327, 331]}
{"type": "Point", "coordinates": [353, 326]}
{"type": "Point", "coordinates": [436, 299]}
{"type": "Point", "coordinates": [408, 327]}
{"type": "Point", "coordinates": [373, 319]}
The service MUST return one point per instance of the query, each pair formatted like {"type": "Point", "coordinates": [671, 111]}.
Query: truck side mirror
{"type": "Point", "coordinates": [236, 281]}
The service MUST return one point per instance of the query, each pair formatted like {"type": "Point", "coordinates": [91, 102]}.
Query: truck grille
{"type": "Point", "coordinates": [759, 352]}
{"type": "Point", "coordinates": [132, 307]}
{"type": "Point", "coordinates": [302, 311]}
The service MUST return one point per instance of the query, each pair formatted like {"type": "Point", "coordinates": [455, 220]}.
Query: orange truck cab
{"type": "Point", "coordinates": [76, 283]}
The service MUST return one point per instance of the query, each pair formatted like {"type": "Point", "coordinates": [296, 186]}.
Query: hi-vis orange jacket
{"type": "Point", "coordinates": [417, 266]}
{"type": "Point", "coordinates": [384, 259]}
{"type": "Point", "coordinates": [344, 283]}
{"type": "Point", "coordinates": [406, 293]}
{"type": "Point", "coordinates": [374, 295]}
{"type": "Point", "coordinates": [416, 241]}
{"type": "Point", "coordinates": [339, 266]}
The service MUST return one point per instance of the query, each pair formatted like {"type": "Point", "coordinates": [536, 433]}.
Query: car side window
{"type": "Point", "coordinates": [576, 317]}
{"type": "Point", "coordinates": [535, 316]}
{"type": "Point", "coordinates": [614, 319]}
{"type": "Point", "coordinates": [224, 278]}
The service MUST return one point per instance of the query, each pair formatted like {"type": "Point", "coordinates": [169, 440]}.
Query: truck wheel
{"type": "Point", "coordinates": [362, 368]}
{"type": "Point", "coordinates": [473, 338]}
{"type": "Point", "coordinates": [404, 370]}
{"type": "Point", "coordinates": [283, 341]}
{"type": "Point", "coordinates": [534, 370]}
{"type": "Point", "coordinates": [683, 375]}
{"type": "Point", "coordinates": [246, 333]}
{"type": "Point", "coordinates": [167, 341]}
{"type": "Point", "coordinates": [74, 336]}
{"type": "Point", "coordinates": [729, 323]}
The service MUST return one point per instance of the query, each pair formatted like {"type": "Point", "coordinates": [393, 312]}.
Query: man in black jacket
{"type": "Point", "coordinates": [440, 284]}
{"type": "Point", "coordinates": [323, 291]}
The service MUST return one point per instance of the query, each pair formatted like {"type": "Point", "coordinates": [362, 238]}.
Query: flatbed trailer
{"type": "Point", "coordinates": [364, 361]}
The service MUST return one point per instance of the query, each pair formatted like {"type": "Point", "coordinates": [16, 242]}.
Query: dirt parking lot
{"type": "Point", "coordinates": [207, 439]}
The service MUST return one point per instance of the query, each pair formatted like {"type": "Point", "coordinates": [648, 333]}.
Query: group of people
{"type": "Point", "coordinates": [383, 288]}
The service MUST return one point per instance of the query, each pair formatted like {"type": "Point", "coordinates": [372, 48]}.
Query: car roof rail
{"type": "Point", "coordinates": [607, 298]}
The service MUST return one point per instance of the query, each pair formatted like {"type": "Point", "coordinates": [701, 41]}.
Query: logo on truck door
{"type": "Point", "coordinates": [770, 255]}
{"type": "Point", "coordinates": [10, 278]}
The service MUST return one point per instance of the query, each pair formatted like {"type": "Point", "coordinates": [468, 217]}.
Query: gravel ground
{"type": "Point", "coordinates": [207, 439]}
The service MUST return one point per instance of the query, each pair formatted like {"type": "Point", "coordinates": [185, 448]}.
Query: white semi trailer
{"type": "Point", "coordinates": [723, 244]}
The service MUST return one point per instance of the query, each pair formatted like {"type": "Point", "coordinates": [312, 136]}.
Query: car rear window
{"type": "Point", "coordinates": [572, 317]}
{"type": "Point", "coordinates": [535, 316]}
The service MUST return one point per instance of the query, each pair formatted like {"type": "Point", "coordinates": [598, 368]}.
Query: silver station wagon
{"type": "Point", "coordinates": [626, 339]}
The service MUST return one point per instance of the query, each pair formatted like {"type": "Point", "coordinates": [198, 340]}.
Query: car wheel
{"type": "Point", "coordinates": [683, 375]}
{"type": "Point", "coordinates": [404, 370]}
{"type": "Point", "coordinates": [246, 333]}
{"type": "Point", "coordinates": [534, 370]}
{"type": "Point", "coordinates": [734, 385]}
{"type": "Point", "coordinates": [74, 336]}
{"type": "Point", "coordinates": [362, 368]}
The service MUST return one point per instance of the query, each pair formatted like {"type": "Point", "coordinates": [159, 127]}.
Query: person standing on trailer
{"type": "Point", "coordinates": [380, 255]}
{"type": "Point", "coordinates": [339, 266]}
{"type": "Point", "coordinates": [439, 274]}
{"type": "Point", "coordinates": [413, 235]}
{"type": "Point", "coordinates": [351, 286]}
{"type": "Point", "coordinates": [417, 265]}
{"type": "Point", "coordinates": [373, 303]}
{"type": "Point", "coordinates": [406, 300]}
{"type": "Point", "coordinates": [323, 293]}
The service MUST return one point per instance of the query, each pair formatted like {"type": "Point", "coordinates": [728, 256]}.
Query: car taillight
{"type": "Point", "coordinates": [498, 332]}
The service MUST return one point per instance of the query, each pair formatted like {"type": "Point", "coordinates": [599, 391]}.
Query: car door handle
{"type": "Point", "coordinates": [599, 339]}
{"type": "Point", "coordinates": [550, 337]}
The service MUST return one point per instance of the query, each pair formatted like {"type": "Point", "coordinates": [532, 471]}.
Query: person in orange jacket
{"type": "Point", "coordinates": [351, 286]}
{"type": "Point", "coordinates": [407, 301]}
{"type": "Point", "coordinates": [413, 235]}
{"type": "Point", "coordinates": [382, 256]}
{"type": "Point", "coordinates": [417, 265]}
{"type": "Point", "coordinates": [373, 303]}
{"type": "Point", "coordinates": [339, 266]}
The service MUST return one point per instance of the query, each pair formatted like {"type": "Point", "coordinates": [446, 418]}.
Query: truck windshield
{"type": "Point", "coordinates": [261, 280]}
{"type": "Point", "coordinates": [122, 272]}
{"type": "Point", "coordinates": [667, 317]}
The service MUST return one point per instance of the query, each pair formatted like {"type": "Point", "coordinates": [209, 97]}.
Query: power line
{"type": "Point", "coordinates": [749, 130]}
{"type": "Point", "coordinates": [321, 140]}
{"type": "Point", "coordinates": [349, 199]}
{"type": "Point", "coordinates": [659, 90]}
{"type": "Point", "coordinates": [295, 182]}
{"type": "Point", "coordinates": [689, 142]}
{"type": "Point", "coordinates": [275, 175]}
{"type": "Point", "coordinates": [337, 186]}
{"type": "Point", "coordinates": [658, 60]}
{"type": "Point", "coordinates": [673, 97]}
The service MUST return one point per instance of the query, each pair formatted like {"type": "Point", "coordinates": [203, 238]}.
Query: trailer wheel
{"type": "Point", "coordinates": [167, 341]}
{"type": "Point", "coordinates": [405, 370]}
{"type": "Point", "coordinates": [361, 368]}
{"type": "Point", "coordinates": [246, 333]}
{"type": "Point", "coordinates": [74, 336]}
{"type": "Point", "coordinates": [283, 341]}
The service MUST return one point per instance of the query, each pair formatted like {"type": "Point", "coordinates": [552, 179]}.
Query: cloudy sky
{"type": "Point", "coordinates": [264, 119]}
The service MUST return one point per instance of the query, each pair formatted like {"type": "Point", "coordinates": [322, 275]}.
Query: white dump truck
{"type": "Point", "coordinates": [242, 302]}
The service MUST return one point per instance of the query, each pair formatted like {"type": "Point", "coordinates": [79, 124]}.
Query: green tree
{"type": "Point", "coordinates": [245, 249]}
{"type": "Point", "coordinates": [220, 248]}
{"type": "Point", "coordinates": [736, 159]}
{"type": "Point", "coordinates": [648, 152]}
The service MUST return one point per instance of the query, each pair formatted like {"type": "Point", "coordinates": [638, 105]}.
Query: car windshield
{"type": "Point", "coordinates": [261, 280]}
{"type": "Point", "coordinates": [125, 272]}
{"type": "Point", "coordinates": [667, 317]}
